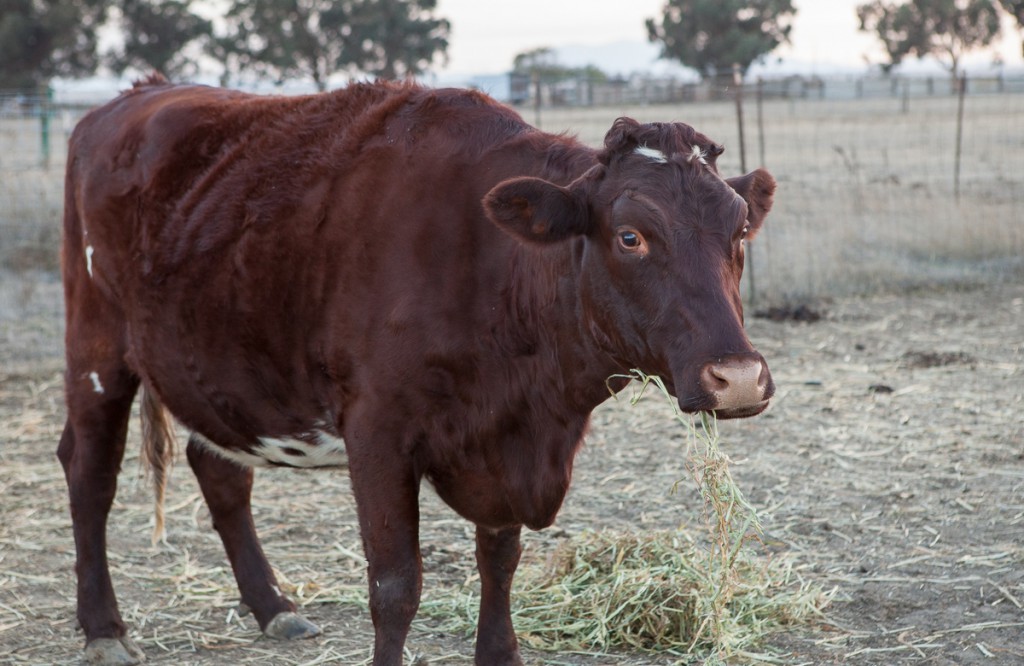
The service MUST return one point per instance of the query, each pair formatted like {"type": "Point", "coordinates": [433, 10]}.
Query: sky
{"type": "Point", "coordinates": [487, 34]}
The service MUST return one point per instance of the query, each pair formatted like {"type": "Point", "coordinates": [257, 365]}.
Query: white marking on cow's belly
{"type": "Point", "coordinates": [88, 258]}
{"type": "Point", "coordinates": [94, 377]}
{"type": "Point", "coordinates": [243, 458]}
{"type": "Point", "coordinates": [325, 450]}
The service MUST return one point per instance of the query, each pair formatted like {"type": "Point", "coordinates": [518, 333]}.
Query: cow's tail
{"type": "Point", "coordinates": [157, 452]}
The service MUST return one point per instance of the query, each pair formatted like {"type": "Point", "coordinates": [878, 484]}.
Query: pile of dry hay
{"type": "Point", "coordinates": [666, 591]}
{"type": "Point", "coordinates": [657, 591]}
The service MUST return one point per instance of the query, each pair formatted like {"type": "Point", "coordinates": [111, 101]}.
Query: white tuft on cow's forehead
{"type": "Point", "coordinates": [652, 154]}
{"type": "Point", "coordinates": [697, 153]}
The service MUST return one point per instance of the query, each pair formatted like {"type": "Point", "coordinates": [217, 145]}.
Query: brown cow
{"type": "Point", "coordinates": [412, 282]}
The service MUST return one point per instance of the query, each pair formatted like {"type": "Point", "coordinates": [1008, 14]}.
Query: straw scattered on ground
{"type": "Point", "coordinates": [908, 502]}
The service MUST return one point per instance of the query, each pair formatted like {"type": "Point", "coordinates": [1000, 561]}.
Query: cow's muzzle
{"type": "Point", "coordinates": [739, 385]}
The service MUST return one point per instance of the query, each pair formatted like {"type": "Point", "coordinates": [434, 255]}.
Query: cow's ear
{"type": "Point", "coordinates": [758, 189]}
{"type": "Point", "coordinates": [537, 210]}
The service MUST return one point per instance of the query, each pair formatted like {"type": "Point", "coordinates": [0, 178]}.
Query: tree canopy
{"type": "Point", "coordinates": [543, 63]}
{"type": "Point", "coordinates": [713, 35]}
{"type": "Point", "coordinates": [398, 38]}
{"type": "Point", "coordinates": [945, 29]}
{"type": "Point", "coordinates": [1015, 8]}
{"type": "Point", "coordinates": [285, 38]}
{"type": "Point", "coordinates": [157, 36]}
{"type": "Point", "coordinates": [40, 39]}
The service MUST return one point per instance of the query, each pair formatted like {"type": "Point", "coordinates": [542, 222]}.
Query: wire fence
{"type": "Point", "coordinates": [34, 129]}
{"type": "Point", "coordinates": [576, 91]}
{"type": "Point", "coordinates": [884, 184]}
{"type": "Point", "coordinates": [904, 184]}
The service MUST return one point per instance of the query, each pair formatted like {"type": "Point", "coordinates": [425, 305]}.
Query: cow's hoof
{"type": "Point", "coordinates": [290, 626]}
{"type": "Point", "coordinates": [113, 652]}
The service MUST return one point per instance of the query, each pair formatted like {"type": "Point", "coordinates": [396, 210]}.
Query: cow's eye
{"type": "Point", "coordinates": [631, 241]}
{"type": "Point", "coordinates": [745, 232]}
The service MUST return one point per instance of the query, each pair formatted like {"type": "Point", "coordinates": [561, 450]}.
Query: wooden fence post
{"type": "Point", "coordinates": [737, 80]}
{"type": "Point", "coordinates": [45, 110]}
{"type": "Point", "coordinates": [962, 90]}
{"type": "Point", "coordinates": [536, 98]}
{"type": "Point", "coordinates": [760, 119]}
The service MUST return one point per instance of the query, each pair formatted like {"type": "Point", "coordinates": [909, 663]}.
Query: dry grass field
{"type": "Point", "coordinates": [865, 203]}
{"type": "Point", "coordinates": [866, 192]}
{"type": "Point", "coordinates": [889, 470]}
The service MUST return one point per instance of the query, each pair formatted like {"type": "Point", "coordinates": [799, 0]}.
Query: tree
{"type": "Point", "coordinates": [1015, 8]}
{"type": "Point", "coordinates": [286, 38]}
{"type": "Point", "coordinates": [316, 38]}
{"type": "Point", "coordinates": [543, 63]}
{"type": "Point", "coordinates": [713, 35]}
{"type": "Point", "coordinates": [946, 29]}
{"type": "Point", "coordinates": [41, 39]}
{"type": "Point", "coordinates": [398, 38]}
{"type": "Point", "coordinates": [158, 35]}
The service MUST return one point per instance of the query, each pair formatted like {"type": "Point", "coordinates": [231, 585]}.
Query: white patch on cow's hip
{"type": "Point", "coordinates": [88, 258]}
{"type": "Point", "coordinates": [317, 448]}
{"type": "Point", "coordinates": [652, 154]}
{"type": "Point", "coordinates": [94, 377]}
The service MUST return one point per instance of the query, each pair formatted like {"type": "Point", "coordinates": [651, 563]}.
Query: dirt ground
{"type": "Point", "coordinates": [890, 468]}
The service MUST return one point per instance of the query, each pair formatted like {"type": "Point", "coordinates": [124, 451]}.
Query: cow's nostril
{"type": "Point", "coordinates": [716, 377]}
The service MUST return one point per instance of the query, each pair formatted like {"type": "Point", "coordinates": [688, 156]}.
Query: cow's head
{"type": "Point", "coordinates": [662, 254]}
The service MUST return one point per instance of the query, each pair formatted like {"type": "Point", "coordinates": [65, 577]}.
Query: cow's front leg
{"type": "Point", "coordinates": [386, 490]}
{"type": "Point", "coordinates": [227, 488]}
{"type": "Point", "coordinates": [497, 556]}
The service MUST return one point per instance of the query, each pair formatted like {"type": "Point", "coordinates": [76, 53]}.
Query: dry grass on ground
{"type": "Point", "coordinates": [889, 469]}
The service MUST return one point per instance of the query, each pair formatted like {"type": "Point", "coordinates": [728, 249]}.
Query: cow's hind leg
{"type": "Point", "coordinates": [99, 390]}
{"type": "Point", "coordinates": [497, 556]}
{"type": "Point", "coordinates": [227, 488]}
